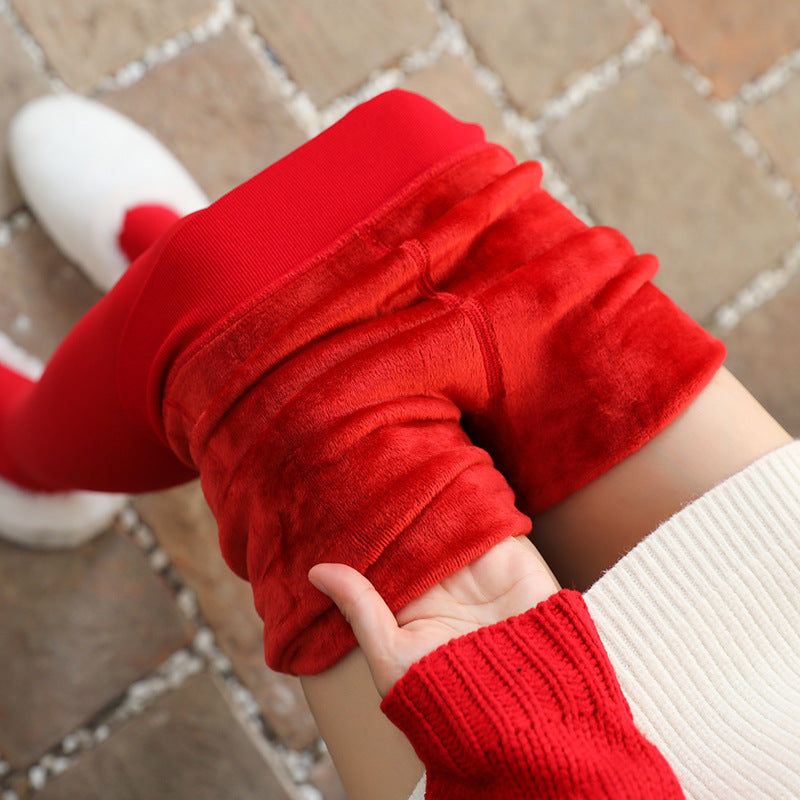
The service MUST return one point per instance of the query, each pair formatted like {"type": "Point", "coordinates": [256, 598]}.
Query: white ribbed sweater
{"type": "Point", "coordinates": [702, 624]}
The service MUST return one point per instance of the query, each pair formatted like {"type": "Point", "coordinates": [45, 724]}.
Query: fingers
{"type": "Point", "coordinates": [372, 622]}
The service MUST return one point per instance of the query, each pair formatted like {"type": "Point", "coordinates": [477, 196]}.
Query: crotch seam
{"type": "Point", "coordinates": [470, 308]}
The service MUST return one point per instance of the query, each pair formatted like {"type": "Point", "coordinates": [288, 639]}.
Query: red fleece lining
{"type": "Point", "coordinates": [219, 257]}
{"type": "Point", "coordinates": [489, 153]}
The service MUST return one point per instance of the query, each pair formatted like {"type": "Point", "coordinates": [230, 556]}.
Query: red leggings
{"type": "Point", "coordinates": [318, 343]}
{"type": "Point", "coordinates": [93, 419]}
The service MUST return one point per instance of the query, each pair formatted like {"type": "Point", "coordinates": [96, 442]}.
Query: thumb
{"type": "Point", "coordinates": [372, 622]}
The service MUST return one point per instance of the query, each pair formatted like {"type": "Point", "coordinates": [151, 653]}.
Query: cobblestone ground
{"type": "Point", "coordinates": [132, 668]}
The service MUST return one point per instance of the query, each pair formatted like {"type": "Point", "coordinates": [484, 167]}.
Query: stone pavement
{"type": "Point", "coordinates": [132, 668]}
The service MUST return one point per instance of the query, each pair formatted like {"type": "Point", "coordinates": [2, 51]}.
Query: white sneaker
{"type": "Point", "coordinates": [81, 166]}
{"type": "Point", "coordinates": [50, 520]}
{"type": "Point", "coordinates": [55, 521]}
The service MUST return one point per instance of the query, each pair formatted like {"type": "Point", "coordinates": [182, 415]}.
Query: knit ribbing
{"type": "Point", "coordinates": [527, 708]}
{"type": "Point", "coordinates": [702, 623]}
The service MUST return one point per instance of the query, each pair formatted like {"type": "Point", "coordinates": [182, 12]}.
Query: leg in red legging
{"type": "Point", "coordinates": [69, 430]}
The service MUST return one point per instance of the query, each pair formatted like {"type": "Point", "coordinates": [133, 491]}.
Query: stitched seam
{"type": "Point", "coordinates": [488, 344]}
{"type": "Point", "coordinates": [471, 309]}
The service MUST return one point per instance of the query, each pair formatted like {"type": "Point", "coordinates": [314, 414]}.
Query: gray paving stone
{"type": "Point", "coordinates": [43, 295]}
{"type": "Point", "coordinates": [331, 48]}
{"type": "Point", "coordinates": [215, 108]}
{"type": "Point", "coordinates": [763, 355]}
{"type": "Point", "coordinates": [186, 530]}
{"type": "Point", "coordinates": [86, 40]}
{"type": "Point", "coordinates": [188, 745]}
{"type": "Point", "coordinates": [775, 123]}
{"type": "Point", "coordinates": [734, 41]}
{"type": "Point", "coordinates": [451, 84]}
{"type": "Point", "coordinates": [78, 628]}
{"type": "Point", "coordinates": [539, 47]}
{"type": "Point", "coordinates": [649, 158]}
{"type": "Point", "coordinates": [20, 81]}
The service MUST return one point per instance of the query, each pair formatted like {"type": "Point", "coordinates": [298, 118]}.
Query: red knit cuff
{"type": "Point", "coordinates": [528, 707]}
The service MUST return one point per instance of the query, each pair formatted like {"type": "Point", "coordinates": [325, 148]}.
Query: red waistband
{"type": "Point", "coordinates": [323, 188]}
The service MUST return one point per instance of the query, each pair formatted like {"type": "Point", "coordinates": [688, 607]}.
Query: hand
{"type": "Point", "coordinates": [507, 580]}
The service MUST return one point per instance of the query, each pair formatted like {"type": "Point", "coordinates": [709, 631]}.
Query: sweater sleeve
{"type": "Point", "coordinates": [527, 708]}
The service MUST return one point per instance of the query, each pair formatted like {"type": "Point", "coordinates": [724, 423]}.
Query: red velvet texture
{"type": "Point", "coordinates": [324, 415]}
{"type": "Point", "coordinates": [527, 708]}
